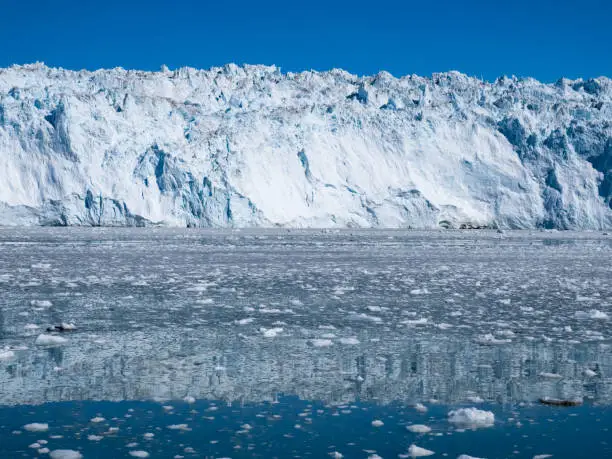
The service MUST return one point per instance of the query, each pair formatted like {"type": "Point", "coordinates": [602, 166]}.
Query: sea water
{"type": "Point", "coordinates": [286, 343]}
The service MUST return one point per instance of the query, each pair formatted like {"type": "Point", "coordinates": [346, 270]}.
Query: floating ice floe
{"type": "Point", "coordinates": [139, 453]}
{"type": "Point", "coordinates": [271, 332]}
{"type": "Point", "coordinates": [97, 419]}
{"type": "Point", "coordinates": [465, 456]}
{"type": "Point", "coordinates": [321, 342]}
{"type": "Point", "coordinates": [41, 266]}
{"type": "Point", "coordinates": [418, 428]}
{"type": "Point", "coordinates": [351, 341]}
{"type": "Point", "coordinates": [65, 454]}
{"type": "Point", "coordinates": [183, 427]}
{"type": "Point", "coordinates": [488, 338]}
{"type": "Point", "coordinates": [417, 451]}
{"type": "Point", "coordinates": [593, 314]}
{"type": "Point", "coordinates": [37, 427]}
{"type": "Point", "coordinates": [542, 456]}
{"type": "Point", "coordinates": [589, 373]}
{"type": "Point", "coordinates": [6, 354]}
{"type": "Point", "coordinates": [94, 437]}
{"type": "Point", "coordinates": [471, 418]}
{"type": "Point", "coordinates": [41, 303]}
{"type": "Point", "coordinates": [244, 321]}
{"type": "Point", "coordinates": [420, 408]}
{"type": "Point", "coordinates": [189, 399]}
{"type": "Point", "coordinates": [421, 321]}
{"type": "Point", "coordinates": [368, 317]}
{"type": "Point", "coordinates": [50, 340]}
{"type": "Point", "coordinates": [377, 423]}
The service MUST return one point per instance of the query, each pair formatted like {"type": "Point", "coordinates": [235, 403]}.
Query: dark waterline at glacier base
{"type": "Point", "coordinates": [292, 343]}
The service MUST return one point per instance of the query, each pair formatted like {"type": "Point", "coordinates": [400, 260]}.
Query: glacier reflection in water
{"type": "Point", "coordinates": [211, 364]}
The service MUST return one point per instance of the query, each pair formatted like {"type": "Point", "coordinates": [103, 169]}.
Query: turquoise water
{"type": "Point", "coordinates": [292, 344]}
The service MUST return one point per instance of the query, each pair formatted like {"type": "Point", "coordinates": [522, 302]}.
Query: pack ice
{"type": "Point", "coordinates": [251, 146]}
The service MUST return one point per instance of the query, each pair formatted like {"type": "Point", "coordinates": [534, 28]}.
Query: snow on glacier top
{"type": "Point", "coordinates": [252, 146]}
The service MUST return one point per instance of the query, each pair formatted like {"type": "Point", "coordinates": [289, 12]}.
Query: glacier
{"type": "Point", "coordinates": [251, 146]}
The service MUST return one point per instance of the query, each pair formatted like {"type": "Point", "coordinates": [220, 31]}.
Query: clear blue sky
{"type": "Point", "coordinates": [541, 38]}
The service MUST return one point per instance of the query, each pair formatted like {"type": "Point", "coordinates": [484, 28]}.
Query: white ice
{"type": "Point", "coordinates": [471, 418]}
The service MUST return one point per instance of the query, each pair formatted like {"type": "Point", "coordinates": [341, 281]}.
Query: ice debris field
{"type": "Point", "coordinates": [251, 146]}
{"type": "Point", "coordinates": [256, 343]}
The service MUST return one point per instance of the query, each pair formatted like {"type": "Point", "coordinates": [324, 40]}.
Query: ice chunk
{"type": "Point", "coordinates": [321, 342]}
{"type": "Point", "coordinates": [420, 408]}
{"type": "Point", "coordinates": [94, 437]}
{"type": "Point", "coordinates": [418, 428]}
{"type": "Point", "coordinates": [465, 456]}
{"type": "Point", "coordinates": [589, 373]}
{"type": "Point", "coordinates": [189, 399]}
{"type": "Point", "coordinates": [351, 341]}
{"type": "Point", "coordinates": [65, 454]}
{"type": "Point", "coordinates": [36, 427]}
{"type": "Point", "coordinates": [41, 303]}
{"type": "Point", "coordinates": [6, 354]}
{"type": "Point", "coordinates": [244, 321]}
{"type": "Point", "coordinates": [184, 427]}
{"type": "Point", "coordinates": [377, 423]}
{"type": "Point", "coordinates": [417, 451]}
{"type": "Point", "coordinates": [594, 314]}
{"type": "Point", "coordinates": [421, 321]}
{"type": "Point", "coordinates": [271, 332]}
{"type": "Point", "coordinates": [471, 418]}
{"type": "Point", "coordinates": [139, 453]}
{"type": "Point", "coordinates": [50, 340]}
{"type": "Point", "coordinates": [488, 338]}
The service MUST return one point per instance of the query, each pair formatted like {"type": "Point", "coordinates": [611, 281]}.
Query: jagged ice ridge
{"type": "Point", "coordinates": [251, 146]}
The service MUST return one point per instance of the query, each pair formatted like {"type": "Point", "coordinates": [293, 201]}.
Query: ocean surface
{"type": "Point", "coordinates": [170, 343]}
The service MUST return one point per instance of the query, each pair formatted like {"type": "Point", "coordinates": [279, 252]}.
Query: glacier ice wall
{"type": "Point", "coordinates": [251, 146]}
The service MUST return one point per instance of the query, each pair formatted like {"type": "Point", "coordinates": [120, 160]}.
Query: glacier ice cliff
{"type": "Point", "coordinates": [251, 146]}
